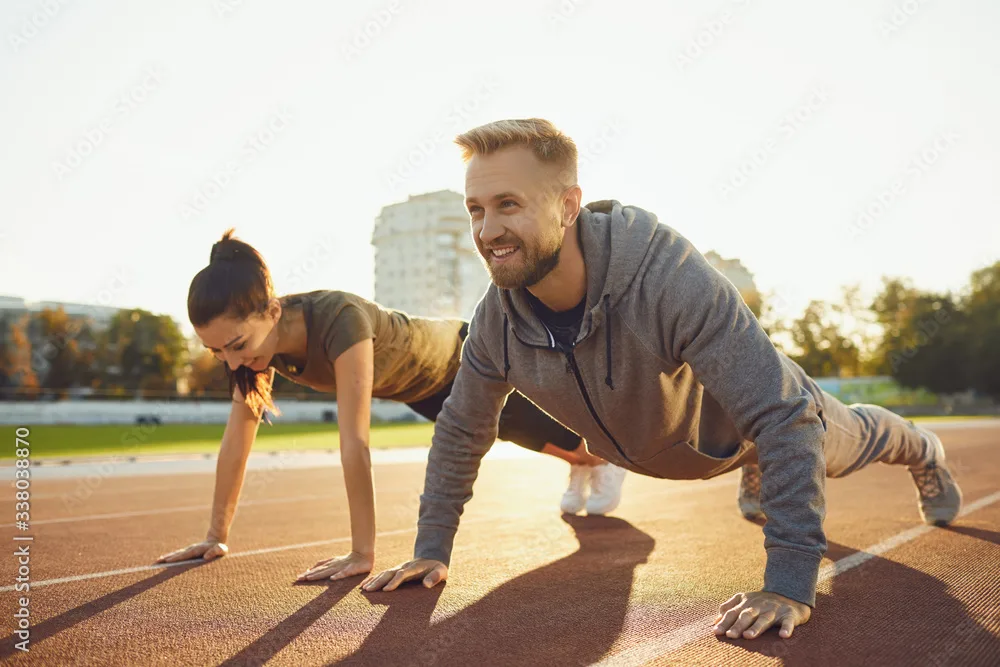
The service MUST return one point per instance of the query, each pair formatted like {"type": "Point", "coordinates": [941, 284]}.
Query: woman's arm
{"type": "Point", "coordinates": [238, 438]}
{"type": "Point", "coordinates": [230, 470]}
{"type": "Point", "coordinates": [354, 369]}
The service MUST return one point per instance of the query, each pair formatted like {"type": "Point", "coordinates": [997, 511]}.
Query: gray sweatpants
{"type": "Point", "coordinates": [859, 434]}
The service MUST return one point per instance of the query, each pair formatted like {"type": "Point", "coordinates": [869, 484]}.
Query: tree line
{"type": "Point", "coordinates": [138, 353]}
{"type": "Point", "coordinates": [944, 343]}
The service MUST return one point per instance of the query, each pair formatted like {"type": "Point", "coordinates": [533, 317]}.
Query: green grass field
{"type": "Point", "coordinates": [128, 440]}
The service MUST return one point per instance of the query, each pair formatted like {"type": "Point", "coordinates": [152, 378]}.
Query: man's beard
{"type": "Point", "coordinates": [533, 265]}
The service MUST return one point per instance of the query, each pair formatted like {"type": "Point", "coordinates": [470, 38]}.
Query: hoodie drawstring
{"type": "Point", "coordinates": [607, 331]}
{"type": "Point", "coordinates": [506, 358]}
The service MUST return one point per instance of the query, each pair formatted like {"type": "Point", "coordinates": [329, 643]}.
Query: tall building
{"type": "Point", "coordinates": [425, 260]}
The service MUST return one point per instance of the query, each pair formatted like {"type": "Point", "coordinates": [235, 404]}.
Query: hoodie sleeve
{"type": "Point", "coordinates": [465, 430]}
{"type": "Point", "coordinates": [708, 326]}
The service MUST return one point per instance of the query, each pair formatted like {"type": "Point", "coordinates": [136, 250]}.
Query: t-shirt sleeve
{"type": "Point", "coordinates": [351, 325]}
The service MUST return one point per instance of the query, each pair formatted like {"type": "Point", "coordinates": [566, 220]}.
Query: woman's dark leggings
{"type": "Point", "coordinates": [521, 421]}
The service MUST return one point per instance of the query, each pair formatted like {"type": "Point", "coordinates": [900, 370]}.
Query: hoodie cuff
{"type": "Point", "coordinates": [792, 574]}
{"type": "Point", "coordinates": [434, 543]}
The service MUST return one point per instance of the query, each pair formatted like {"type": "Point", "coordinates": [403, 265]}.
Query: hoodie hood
{"type": "Point", "coordinates": [614, 240]}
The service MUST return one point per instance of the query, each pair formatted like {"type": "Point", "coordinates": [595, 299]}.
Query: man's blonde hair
{"type": "Point", "coordinates": [547, 143]}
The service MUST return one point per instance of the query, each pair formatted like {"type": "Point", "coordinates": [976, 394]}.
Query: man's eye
{"type": "Point", "coordinates": [504, 203]}
{"type": "Point", "coordinates": [240, 346]}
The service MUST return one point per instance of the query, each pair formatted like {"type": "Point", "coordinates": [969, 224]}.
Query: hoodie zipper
{"type": "Point", "coordinates": [571, 358]}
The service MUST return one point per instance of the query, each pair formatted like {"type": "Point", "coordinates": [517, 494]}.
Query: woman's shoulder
{"type": "Point", "coordinates": [328, 312]}
{"type": "Point", "coordinates": [325, 299]}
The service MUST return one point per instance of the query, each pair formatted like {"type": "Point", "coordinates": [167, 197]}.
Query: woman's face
{"type": "Point", "coordinates": [249, 342]}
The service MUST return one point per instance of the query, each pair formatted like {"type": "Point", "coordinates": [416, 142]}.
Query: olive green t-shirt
{"type": "Point", "coordinates": [415, 357]}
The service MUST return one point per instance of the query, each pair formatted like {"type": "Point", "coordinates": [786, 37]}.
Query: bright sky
{"type": "Point", "coordinates": [116, 114]}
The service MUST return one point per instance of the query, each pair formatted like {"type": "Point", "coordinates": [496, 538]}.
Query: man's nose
{"type": "Point", "coordinates": [492, 229]}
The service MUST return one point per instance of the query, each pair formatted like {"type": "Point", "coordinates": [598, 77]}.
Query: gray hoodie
{"type": "Point", "coordinates": [671, 376]}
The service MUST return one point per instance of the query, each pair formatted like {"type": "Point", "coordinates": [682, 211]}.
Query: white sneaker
{"type": "Point", "coordinates": [576, 494]}
{"type": "Point", "coordinates": [748, 496]}
{"type": "Point", "coordinates": [605, 488]}
{"type": "Point", "coordinates": [938, 492]}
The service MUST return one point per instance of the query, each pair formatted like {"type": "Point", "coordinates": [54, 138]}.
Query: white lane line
{"type": "Point", "coordinates": [710, 484]}
{"type": "Point", "coordinates": [681, 637]}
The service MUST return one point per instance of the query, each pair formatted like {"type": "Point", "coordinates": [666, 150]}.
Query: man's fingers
{"type": "Point", "coordinates": [432, 571]}
{"type": "Point", "coordinates": [787, 625]}
{"type": "Point", "coordinates": [764, 621]}
{"type": "Point", "coordinates": [435, 577]}
{"type": "Point", "coordinates": [745, 619]}
{"type": "Point", "coordinates": [730, 603]}
{"type": "Point", "coordinates": [727, 620]}
{"type": "Point", "coordinates": [401, 577]}
{"type": "Point", "coordinates": [379, 581]}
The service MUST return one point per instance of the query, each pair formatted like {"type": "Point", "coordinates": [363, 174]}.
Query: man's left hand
{"type": "Point", "coordinates": [750, 614]}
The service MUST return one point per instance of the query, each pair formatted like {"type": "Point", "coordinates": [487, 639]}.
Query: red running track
{"type": "Point", "coordinates": [527, 587]}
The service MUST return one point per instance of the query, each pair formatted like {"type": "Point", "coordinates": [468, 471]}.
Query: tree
{"type": "Point", "coordinates": [931, 350]}
{"type": "Point", "coordinates": [143, 351]}
{"type": "Point", "coordinates": [89, 368]}
{"type": "Point", "coordinates": [819, 347]}
{"type": "Point", "coordinates": [982, 310]}
{"type": "Point", "coordinates": [58, 355]}
{"type": "Point", "coordinates": [856, 322]}
{"type": "Point", "coordinates": [890, 309]}
{"type": "Point", "coordinates": [207, 375]}
{"type": "Point", "coordinates": [15, 356]}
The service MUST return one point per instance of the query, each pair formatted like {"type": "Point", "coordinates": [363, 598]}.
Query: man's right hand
{"type": "Point", "coordinates": [433, 572]}
{"type": "Point", "coordinates": [209, 550]}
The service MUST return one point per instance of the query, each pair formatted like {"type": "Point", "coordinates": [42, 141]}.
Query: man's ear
{"type": "Point", "coordinates": [571, 199]}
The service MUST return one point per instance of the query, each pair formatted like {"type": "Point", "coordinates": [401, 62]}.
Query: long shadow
{"type": "Point", "coordinates": [884, 613]}
{"type": "Point", "coordinates": [68, 619]}
{"type": "Point", "coordinates": [568, 612]}
{"type": "Point", "coordinates": [281, 635]}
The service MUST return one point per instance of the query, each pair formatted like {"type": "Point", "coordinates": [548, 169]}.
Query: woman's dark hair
{"type": "Point", "coordinates": [236, 283]}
